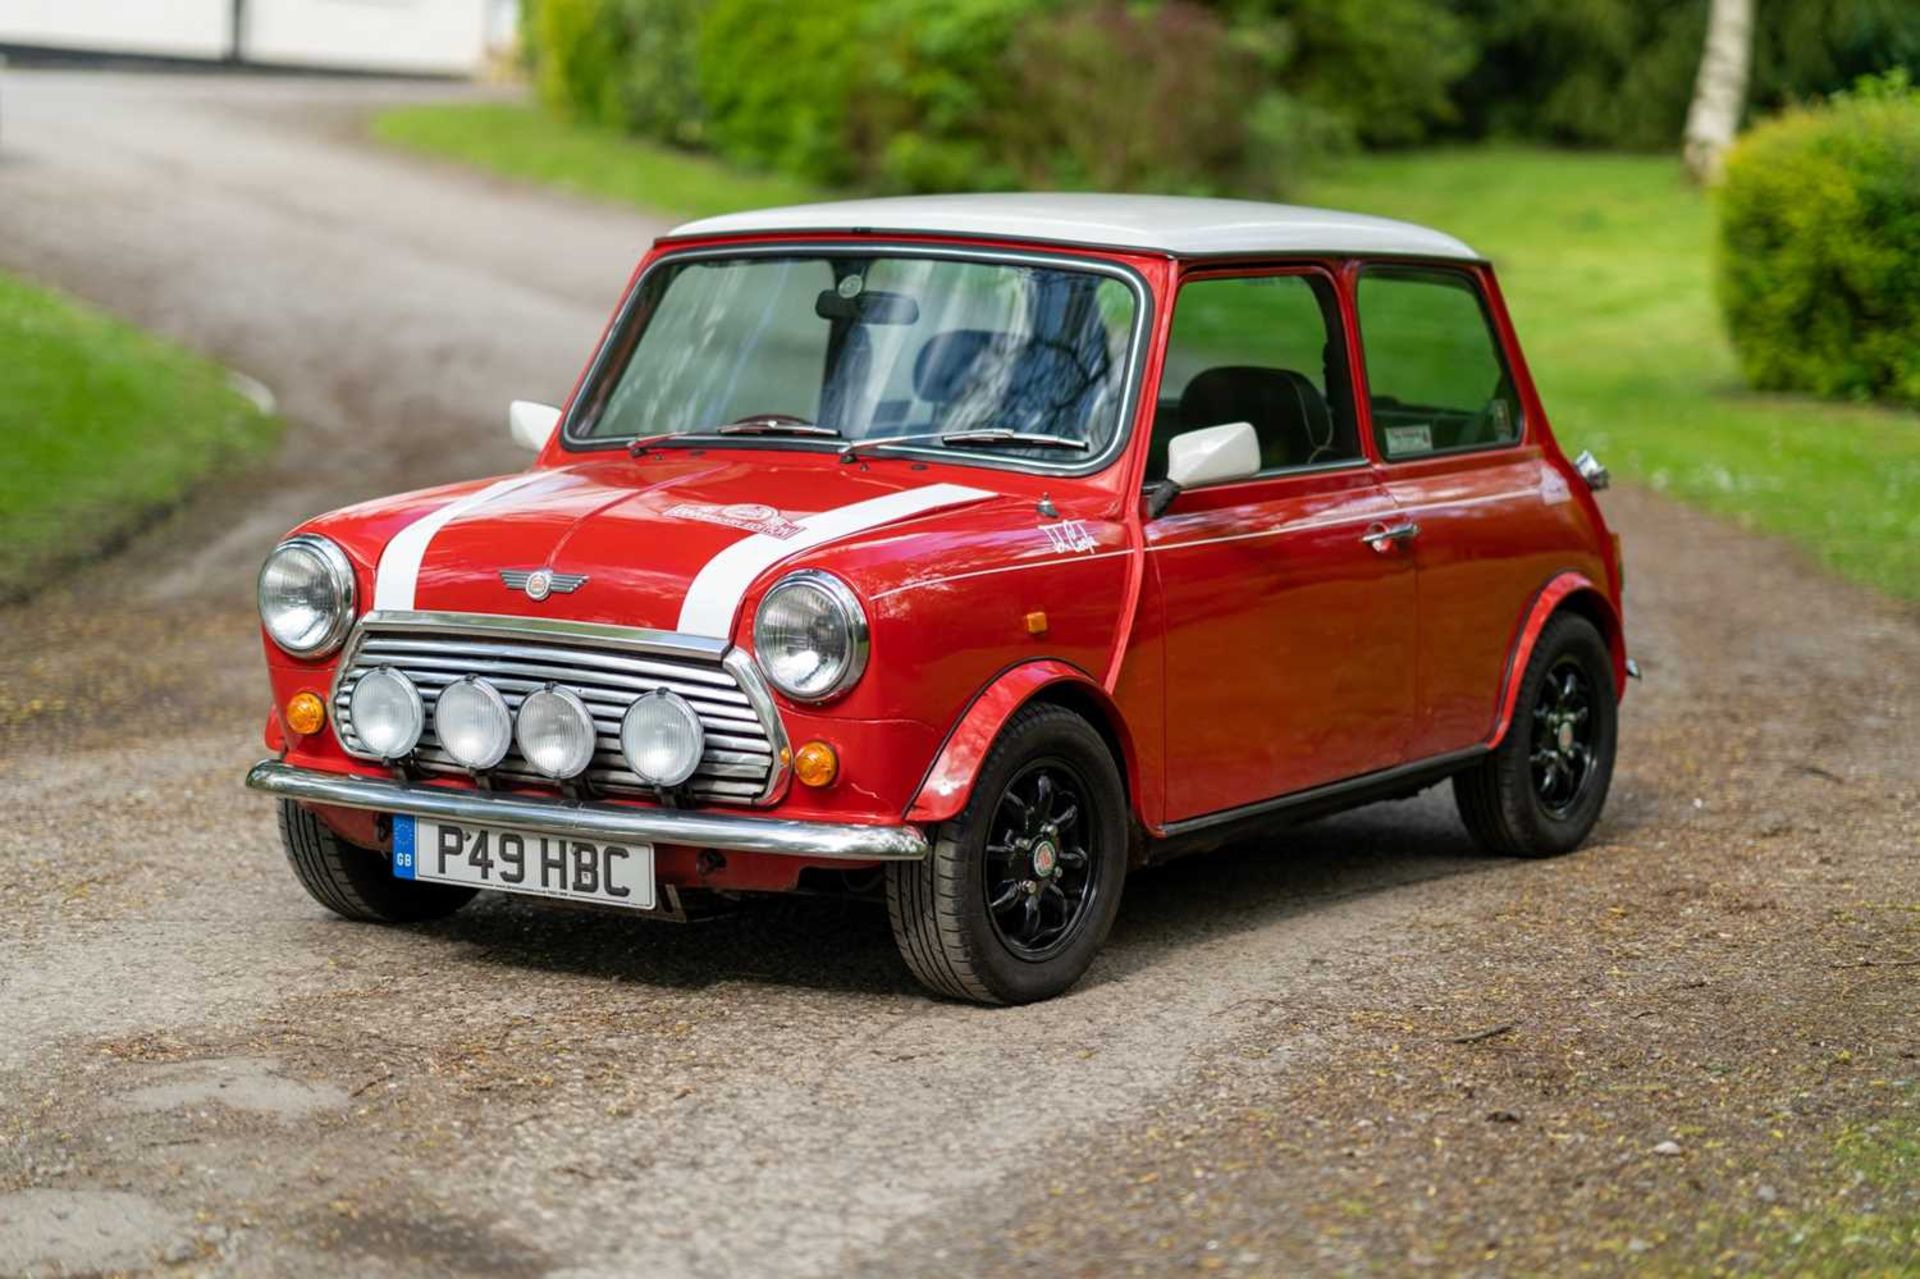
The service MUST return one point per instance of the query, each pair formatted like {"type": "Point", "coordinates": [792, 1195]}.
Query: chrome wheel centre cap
{"type": "Point", "coordinates": [1045, 858]}
{"type": "Point", "coordinates": [1564, 738]}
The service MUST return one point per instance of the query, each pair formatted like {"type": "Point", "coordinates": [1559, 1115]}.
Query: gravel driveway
{"type": "Point", "coordinates": [1358, 1048]}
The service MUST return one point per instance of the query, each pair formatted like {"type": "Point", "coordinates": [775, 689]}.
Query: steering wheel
{"type": "Point", "coordinates": [1087, 374]}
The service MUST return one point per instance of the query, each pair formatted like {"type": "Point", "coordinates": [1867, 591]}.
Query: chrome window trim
{"type": "Point", "coordinates": [746, 674]}
{"type": "Point", "coordinates": [1124, 423]}
{"type": "Point", "coordinates": [346, 585]}
{"type": "Point", "coordinates": [860, 634]}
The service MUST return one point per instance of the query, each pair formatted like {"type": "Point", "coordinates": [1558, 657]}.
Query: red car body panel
{"type": "Point", "coordinates": [1246, 645]}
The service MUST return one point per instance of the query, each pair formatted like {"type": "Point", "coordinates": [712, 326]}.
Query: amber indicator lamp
{"type": "Point", "coordinates": [306, 714]}
{"type": "Point", "coordinates": [815, 764]}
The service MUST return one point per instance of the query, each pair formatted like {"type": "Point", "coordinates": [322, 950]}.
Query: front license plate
{"type": "Point", "coordinates": [523, 861]}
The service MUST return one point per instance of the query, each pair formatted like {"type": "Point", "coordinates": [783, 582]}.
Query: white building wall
{"type": "Point", "coordinates": [170, 28]}
{"type": "Point", "coordinates": [447, 36]}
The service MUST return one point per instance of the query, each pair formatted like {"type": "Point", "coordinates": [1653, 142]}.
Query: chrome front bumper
{"type": "Point", "coordinates": [826, 841]}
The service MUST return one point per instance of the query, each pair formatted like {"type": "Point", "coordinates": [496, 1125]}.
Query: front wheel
{"type": "Point", "coordinates": [356, 882]}
{"type": "Point", "coordinates": [1541, 790]}
{"type": "Point", "coordinates": [1019, 890]}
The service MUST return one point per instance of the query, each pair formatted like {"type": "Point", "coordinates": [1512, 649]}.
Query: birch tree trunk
{"type": "Point", "coordinates": [1720, 92]}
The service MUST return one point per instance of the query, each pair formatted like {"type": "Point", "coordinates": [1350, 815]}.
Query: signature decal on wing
{"type": "Point", "coordinates": [1069, 537]}
{"type": "Point", "coordinates": [751, 516]}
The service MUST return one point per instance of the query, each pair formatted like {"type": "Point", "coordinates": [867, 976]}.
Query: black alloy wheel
{"type": "Point", "coordinates": [1564, 727]}
{"type": "Point", "coordinates": [1539, 792]}
{"type": "Point", "coordinates": [1019, 889]}
{"type": "Point", "coordinates": [1039, 872]}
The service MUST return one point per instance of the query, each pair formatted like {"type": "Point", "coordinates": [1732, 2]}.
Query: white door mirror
{"type": "Point", "coordinates": [532, 424]}
{"type": "Point", "coordinates": [1213, 455]}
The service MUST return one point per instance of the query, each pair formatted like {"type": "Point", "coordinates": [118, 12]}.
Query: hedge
{"type": "Point", "coordinates": [1193, 95]}
{"type": "Point", "coordinates": [1819, 247]}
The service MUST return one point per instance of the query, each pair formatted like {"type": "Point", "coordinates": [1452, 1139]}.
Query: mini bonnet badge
{"type": "Point", "coordinates": [539, 583]}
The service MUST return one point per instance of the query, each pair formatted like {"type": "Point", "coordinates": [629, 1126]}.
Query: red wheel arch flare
{"type": "Point", "coordinates": [1567, 590]}
{"type": "Point", "coordinates": [949, 783]}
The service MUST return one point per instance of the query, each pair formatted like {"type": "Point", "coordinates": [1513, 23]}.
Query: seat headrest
{"type": "Point", "coordinates": [1286, 409]}
{"type": "Point", "coordinates": [941, 368]}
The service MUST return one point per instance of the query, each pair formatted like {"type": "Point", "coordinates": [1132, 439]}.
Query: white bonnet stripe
{"type": "Point", "coordinates": [399, 571]}
{"type": "Point", "coordinates": [715, 593]}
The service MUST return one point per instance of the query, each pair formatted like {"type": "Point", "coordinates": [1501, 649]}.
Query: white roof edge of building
{"type": "Point", "coordinates": [1179, 225]}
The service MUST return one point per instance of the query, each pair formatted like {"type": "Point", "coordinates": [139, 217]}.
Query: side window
{"type": "Point", "coordinates": [1264, 349]}
{"type": "Point", "coordinates": [1435, 376]}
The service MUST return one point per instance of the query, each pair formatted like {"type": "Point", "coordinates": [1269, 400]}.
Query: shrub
{"type": "Point", "coordinates": [659, 85]}
{"type": "Point", "coordinates": [942, 95]}
{"type": "Point", "coordinates": [575, 44]}
{"type": "Point", "coordinates": [626, 64]}
{"type": "Point", "coordinates": [779, 83]}
{"type": "Point", "coordinates": [936, 95]}
{"type": "Point", "coordinates": [1387, 67]}
{"type": "Point", "coordinates": [1621, 72]}
{"type": "Point", "coordinates": [1819, 271]}
{"type": "Point", "coordinates": [1126, 98]}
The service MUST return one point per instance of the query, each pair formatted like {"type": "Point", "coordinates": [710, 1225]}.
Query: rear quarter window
{"type": "Point", "coordinates": [1436, 379]}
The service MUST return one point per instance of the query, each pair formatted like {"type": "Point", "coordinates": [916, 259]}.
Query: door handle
{"type": "Point", "coordinates": [1382, 536]}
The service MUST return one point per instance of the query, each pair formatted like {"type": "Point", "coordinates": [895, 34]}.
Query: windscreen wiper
{"type": "Point", "coordinates": [776, 424]}
{"type": "Point", "coordinates": [984, 435]}
{"type": "Point", "coordinates": [767, 424]}
{"type": "Point", "coordinates": [1021, 439]}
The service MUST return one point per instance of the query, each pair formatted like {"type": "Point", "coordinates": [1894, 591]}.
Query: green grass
{"type": "Point", "coordinates": [1606, 261]}
{"type": "Point", "coordinates": [523, 142]}
{"type": "Point", "coordinates": [1860, 1219]}
{"type": "Point", "coordinates": [101, 426]}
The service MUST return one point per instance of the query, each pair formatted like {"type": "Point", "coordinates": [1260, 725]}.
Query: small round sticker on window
{"type": "Point", "coordinates": [850, 286]}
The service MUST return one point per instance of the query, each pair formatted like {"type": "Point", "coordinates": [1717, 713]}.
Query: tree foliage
{"type": "Point", "coordinates": [1192, 95]}
{"type": "Point", "coordinates": [1819, 272]}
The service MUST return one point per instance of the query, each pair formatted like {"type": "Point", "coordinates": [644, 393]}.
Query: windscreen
{"type": "Point", "coordinates": [868, 348]}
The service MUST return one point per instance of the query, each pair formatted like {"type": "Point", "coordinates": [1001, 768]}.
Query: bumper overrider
{"type": "Point", "coordinates": [610, 823]}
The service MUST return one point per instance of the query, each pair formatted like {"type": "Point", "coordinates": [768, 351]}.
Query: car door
{"type": "Point", "coordinates": [1457, 458]}
{"type": "Point", "coordinates": [1288, 638]}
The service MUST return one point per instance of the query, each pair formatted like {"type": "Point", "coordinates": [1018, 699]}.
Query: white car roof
{"type": "Point", "coordinates": [1178, 225]}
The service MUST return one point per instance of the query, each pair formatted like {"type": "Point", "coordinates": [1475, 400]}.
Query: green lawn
{"type": "Point", "coordinates": [517, 141]}
{"type": "Point", "coordinates": [101, 426]}
{"type": "Point", "coordinates": [1606, 263]}
{"type": "Point", "coordinates": [1606, 260]}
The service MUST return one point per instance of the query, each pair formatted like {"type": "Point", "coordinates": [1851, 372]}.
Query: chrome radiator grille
{"type": "Point", "coordinates": [607, 667]}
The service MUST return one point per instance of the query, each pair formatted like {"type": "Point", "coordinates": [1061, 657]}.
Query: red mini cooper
{"type": "Point", "coordinates": [969, 552]}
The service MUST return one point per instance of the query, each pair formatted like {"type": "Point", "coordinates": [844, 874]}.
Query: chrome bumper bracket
{"type": "Point", "coordinates": [824, 841]}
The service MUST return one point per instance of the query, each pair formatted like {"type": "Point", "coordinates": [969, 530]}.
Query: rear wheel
{"type": "Point", "coordinates": [1541, 790]}
{"type": "Point", "coordinates": [357, 882]}
{"type": "Point", "coordinates": [1020, 889]}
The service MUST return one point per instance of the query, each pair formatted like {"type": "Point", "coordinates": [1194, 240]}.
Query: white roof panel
{"type": "Point", "coordinates": [1177, 225]}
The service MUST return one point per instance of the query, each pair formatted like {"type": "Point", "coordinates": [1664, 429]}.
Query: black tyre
{"type": "Point", "coordinates": [357, 882]}
{"type": "Point", "coordinates": [1541, 790]}
{"type": "Point", "coordinates": [1021, 888]}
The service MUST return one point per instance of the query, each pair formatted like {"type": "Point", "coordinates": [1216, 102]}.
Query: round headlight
{"type": "Point", "coordinates": [662, 738]}
{"type": "Point", "coordinates": [386, 710]}
{"type": "Point", "coordinates": [306, 595]}
{"type": "Point", "coordinates": [810, 635]}
{"type": "Point", "coordinates": [555, 732]}
{"type": "Point", "coordinates": [472, 721]}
